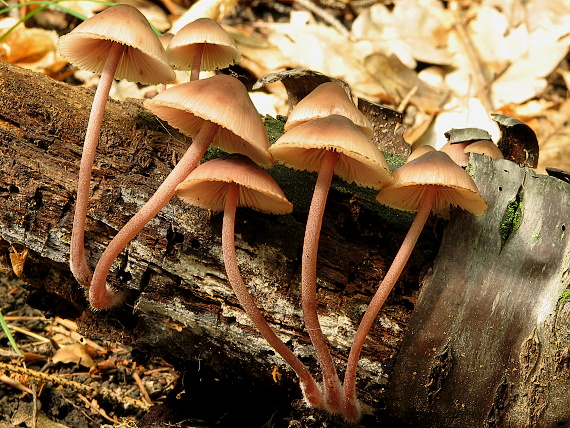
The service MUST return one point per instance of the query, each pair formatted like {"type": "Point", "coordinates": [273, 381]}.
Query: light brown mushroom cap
{"type": "Point", "coordinates": [484, 147]}
{"type": "Point", "coordinates": [456, 153]}
{"type": "Point", "coordinates": [206, 186]}
{"type": "Point", "coordinates": [433, 169]}
{"type": "Point", "coordinates": [144, 60]}
{"type": "Point", "coordinates": [325, 100]}
{"type": "Point", "coordinates": [419, 151]}
{"type": "Point", "coordinates": [360, 161]}
{"type": "Point", "coordinates": [222, 100]}
{"type": "Point", "coordinates": [220, 49]}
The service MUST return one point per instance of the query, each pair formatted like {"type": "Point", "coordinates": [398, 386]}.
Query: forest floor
{"type": "Point", "coordinates": [458, 62]}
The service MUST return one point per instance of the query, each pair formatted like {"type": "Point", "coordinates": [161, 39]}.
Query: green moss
{"type": "Point", "coordinates": [274, 127]}
{"type": "Point", "coordinates": [565, 297]}
{"type": "Point", "coordinates": [213, 153]}
{"type": "Point", "coordinates": [512, 218]}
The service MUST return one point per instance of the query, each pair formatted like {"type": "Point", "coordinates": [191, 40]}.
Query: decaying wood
{"type": "Point", "coordinates": [179, 305]}
{"type": "Point", "coordinates": [488, 344]}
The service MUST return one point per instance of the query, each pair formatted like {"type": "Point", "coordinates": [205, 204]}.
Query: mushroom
{"type": "Point", "coordinates": [458, 139]}
{"type": "Point", "coordinates": [328, 145]}
{"type": "Point", "coordinates": [215, 111]}
{"type": "Point", "coordinates": [485, 148]}
{"type": "Point", "coordinates": [223, 184]}
{"type": "Point", "coordinates": [202, 45]}
{"type": "Point", "coordinates": [325, 100]}
{"type": "Point", "coordinates": [430, 182]}
{"type": "Point", "coordinates": [117, 43]}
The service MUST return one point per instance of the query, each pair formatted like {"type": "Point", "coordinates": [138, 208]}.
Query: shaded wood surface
{"type": "Point", "coordinates": [488, 344]}
{"type": "Point", "coordinates": [180, 306]}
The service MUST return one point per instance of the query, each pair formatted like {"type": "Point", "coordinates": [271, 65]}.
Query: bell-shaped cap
{"type": "Point", "coordinates": [144, 60]}
{"type": "Point", "coordinates": [360, 160]}
{"type": "Point", "coordinates": [419, 152]}
{"type": "Point", "coordinates": [325, 100]}
{"type": "Point", "coordinates": [222, 100]}
{"type": "Point", "coordinates": [220, 49]}
{"type": "Point", "coordinates": [206, 186]}
{"type": "Point", "coordinates": [433, 169]}
{"type": "Point", "coordinates": [484, 147]}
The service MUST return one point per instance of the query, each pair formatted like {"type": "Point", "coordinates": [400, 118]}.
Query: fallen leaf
{"type": "Point", "coordinates": [76, 353]}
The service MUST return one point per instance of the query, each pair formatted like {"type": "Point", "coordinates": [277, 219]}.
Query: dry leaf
{"type": "Point", "coordinates": [76, 354]}
{"type": "Point", "coordinates": [213, 9]}
{"type": "Point", "coordinates": [412, 30]}
{"type": "Point", "coordinates": [25, 44]}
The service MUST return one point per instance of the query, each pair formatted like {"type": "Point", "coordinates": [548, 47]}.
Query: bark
{"type": "Point", "coordinates": [489, 326]}
{"type": "Point", "coordinates": [179, 305]}
{"type": "Point", "coordinates": [488, 343]}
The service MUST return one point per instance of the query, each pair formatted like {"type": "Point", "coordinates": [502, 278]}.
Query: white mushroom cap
{"type": "Point", "coordinates": [144, 61]}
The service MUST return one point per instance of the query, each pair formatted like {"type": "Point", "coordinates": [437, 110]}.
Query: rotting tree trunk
{"type": "Point", "coordinates": [180, 306]}
{"type": "Point", "coordinates": [488, 344]}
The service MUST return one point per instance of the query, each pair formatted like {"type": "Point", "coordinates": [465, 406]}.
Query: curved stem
{"type": "Point", "coordinates": [100, 296]}
{"type": "Point", "coordinates": [197, 62]}
{"type": "Point", "coordinates": [331, 382]}
{"type": "Point", "coordinates": [351, 407]}
{"type": "Point", "coordinates": [308, 385]}
{"type": "Point", "coordinates": [77, 259]}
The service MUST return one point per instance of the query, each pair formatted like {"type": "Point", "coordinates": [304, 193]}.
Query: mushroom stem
{"type": "Point", "coordinates": [309, 387]}
{"type": "Point", "coordinates": [197, 61]}
{"type": "Point", "coordinates": [351, 406]}
{"type": "Point", "coordinates": [331, 382]}
{"type": "Point", "coordinates": [77, 259]}
{"type": "Point", "coordinates": [100, 295]}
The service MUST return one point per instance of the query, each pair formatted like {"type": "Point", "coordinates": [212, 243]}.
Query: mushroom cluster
{"type": "Point", "coordinates": [325, 133]}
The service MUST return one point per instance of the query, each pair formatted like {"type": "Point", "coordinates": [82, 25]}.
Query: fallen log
{"type": "Point", "coordinates": [179, 305]}
{"type": "Point", "coordinates": [488, 344]}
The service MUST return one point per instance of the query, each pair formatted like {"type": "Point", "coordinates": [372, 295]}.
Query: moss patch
{"type": "Point", "coordinates": [512, 218]}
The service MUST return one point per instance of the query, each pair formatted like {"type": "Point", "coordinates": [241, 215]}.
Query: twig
{"type": "Point", "coordinates": [104, 392]}
{"type": "Point", "coordinates": [325, 16]}
{"type": "Point", "coordinates": [142, 388]}
{"type": "Point", "coordinates": [483, 81]}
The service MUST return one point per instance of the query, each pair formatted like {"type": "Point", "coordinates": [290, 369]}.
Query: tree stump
{"type": "Point", "coordinates": [488, 344]}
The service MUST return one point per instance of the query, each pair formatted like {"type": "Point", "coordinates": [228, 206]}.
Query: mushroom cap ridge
{"type": "Point", "coordinates": [222, 100]}
{"type": "Point", "coordinates": [144, 60]}
{"type": "Point", "coordinates": [360, 161]}
{"type": "Point", "coordinates": [325, 100]}
{"type": "Point", "coordinates": [220, 49]}
{"type": "Point", "coordinates": [433, 169]}
{"type": "Point", "coordinates": [206, 186]}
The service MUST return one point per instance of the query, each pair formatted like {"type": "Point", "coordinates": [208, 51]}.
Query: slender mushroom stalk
{"type": "Point", "coordinates": [329, 145]}
{"type": "Point", "coordinates": [351, 405]}
{"type": "Point", "coordinates": [77, 259]}
{"type": "Point", "coordinates": [105, 44]}
{"type": "Point", "coordinates": [331, 381]}
{"type": "Point", "coordinates": [429, 182]}
{"type": "Point", "coordinates": [196, 61]}
{"type": "Point", "coordinates": [235, 181]}
{"type": "Point", "coordinates": [215, 111]}
{"type": "Point", "coordinates": [100, 294]}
